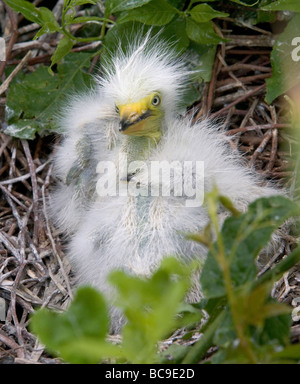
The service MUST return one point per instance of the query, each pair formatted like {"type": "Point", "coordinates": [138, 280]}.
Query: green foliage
{"type": "Point", "coordinates": [79, 333]}
{"type": "Point", "coordinates": [35, 99]}
{"type": "Point", "coordinates": [203, 12]}
{"type": "Point", "coordinates": [247, 3]}
{"type": "Point", "coordinates": [46, 19]}
{"type": "Point", "coordinates": [150, 305]}
{"type": "Point", "coordinates": [27, 9]}
{"type": "Point", "coordinates": [33, 110]}
{"type": "Point", "coordinates": [283, 5]}
{"type": "Point", "coordinates": [284, 56]}
{"type": "Point", "coordinates": [245, 323]}
{"type": "Point", "coordinates": [203, 35]}
{"type": "Point", "coordinates": [156, 12]}
{"type": "Point", "coordinates": [188, 27]}
{"type": "Point", "coordinates": [286, 68]}
{"type": "Point", "coordinates": [113, 6]}
{"type": "Point", "coordinates": [239, 246]}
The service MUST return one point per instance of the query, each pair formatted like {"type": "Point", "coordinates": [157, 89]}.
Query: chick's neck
{"type": "Point", "coordinates": [138, 148]}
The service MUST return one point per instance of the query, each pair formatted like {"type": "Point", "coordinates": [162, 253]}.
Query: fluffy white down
{"type": "Point", "coordinates": [135, 233]}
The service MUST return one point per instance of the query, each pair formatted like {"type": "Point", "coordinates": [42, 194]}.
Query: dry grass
{"type": "Point", "coordinates": [34, 271]}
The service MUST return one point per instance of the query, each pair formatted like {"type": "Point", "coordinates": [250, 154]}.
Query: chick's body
{"type": "Point", "coordinates": [134, 231]}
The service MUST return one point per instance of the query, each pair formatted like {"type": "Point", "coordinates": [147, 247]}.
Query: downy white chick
{"type": "Point", "coordinates": [120, 129]}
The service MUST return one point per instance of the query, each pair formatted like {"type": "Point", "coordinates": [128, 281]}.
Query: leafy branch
{"type": "Point", "coordinates": [245, 323]}
{"type": "Point", "coordinates": [48, 23]}
{"type": "Point", "coordinates": [224, 263]}
{"type": "Point", "coordinates": [188, 27]}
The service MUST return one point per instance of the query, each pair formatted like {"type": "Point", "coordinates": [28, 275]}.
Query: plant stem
{"type": "Point", "coordinates": [225, 267]}
{"type": "Point", "coordinates": [66, 32]}
{"type": "Point", "coordinates": [102, 34]}
{"type": "Point", "coordinates": [199, 350]}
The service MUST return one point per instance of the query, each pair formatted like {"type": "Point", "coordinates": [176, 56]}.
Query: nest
{"type": "Point", "coordinates": [34, 271]}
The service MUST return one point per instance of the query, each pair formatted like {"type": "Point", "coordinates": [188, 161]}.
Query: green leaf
{"type": "Point", "coordinates": [150, 306]}
{"type": "Point", "coordinates": [122, 34]}
{"type": "Point", "coordinates": [226, 331]}
{"type": "Point", "coordinates": [156, 12]}
{"type": "Point", "coordinates": [189, 315]}
{"type": "Point", "coordinates": [27, 9]}
{"type": "Point", "coordinates": [285, 58]}
{"type": "Point", "coordinates": [247, 3]}
{"type": "Point", "coordinates": [24, 129]}
{"type": "Point", "coordinates": [89, 350]}
{"type": "Point", "coordinates": [46, 28]}
{"type": "Point", "coordinates": [112, 6]}
{"type": "Point", "coordinates": [292, 352]}
{"type": "Point", "coordinates": [72, 333]}
{"type": "Point", "coordinates": [192, 2]}
{"type": "Point", "coordinates": [174, 354]}
{"type": "Point", "coordinates": [203, 12]}
{"type": "Point", "coordinates": [202, 33]}
{"type": "Point", "coordinates": [85, 19]}
{"type": "Point", "coordinates": [200, 59]}
{"type": "Point", "coordinates": [179, 4]}
{"type": "Point", "coordinates": [175, 34]}
{"type": "Point", "coordinates": [283, 5]}
{"type": "Point", "coordinates": [38, 96]}
{"type": "Point", "coordinates": [42, 16]}
{"type": "Point", "coordinates": [75, 3]}
{"type": "Point", "coordinates": [49, 23]}
{"type": "Point", "coordinates": [276, 331]}
{"type": "Point", "coordinates": [191, 94]}
{"type": "Point", "coordinates": [203, 61]}
{"type": "Point", "coordinates": [64, 47]}
{"type": "Point", "coordinates": [243, 238]}
{"type": "Point", "coordinates": [211, 278]}
{"type": "Point", "coordinates": [264, 17]}
{"type": "Point", "coordinates": [47, 16]}
{"type": "Point", "coordinates": [200, 349]}
{"type": "Point", "coordinates": [255, 306]}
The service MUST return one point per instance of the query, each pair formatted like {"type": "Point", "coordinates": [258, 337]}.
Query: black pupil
{"type": "Point", "coordinates": [156, 100]}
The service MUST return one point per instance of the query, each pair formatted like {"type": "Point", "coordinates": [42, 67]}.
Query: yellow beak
{"type": "Point", "coordinates": [133, 117]}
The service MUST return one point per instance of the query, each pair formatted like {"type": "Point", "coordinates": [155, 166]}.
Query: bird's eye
{"type": "Point", "coordinates": [156, 100]}
{"type": "Point", "coordinates": [117, 109]}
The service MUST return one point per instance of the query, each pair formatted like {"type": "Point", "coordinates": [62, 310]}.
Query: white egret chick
{"type": "Point", "coordinates": [133, 174]}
